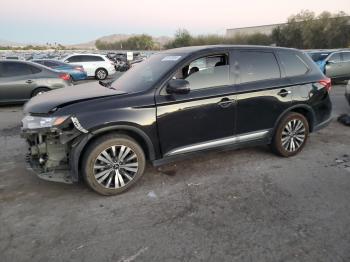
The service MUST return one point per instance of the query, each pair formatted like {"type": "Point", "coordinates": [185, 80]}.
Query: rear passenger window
{"type": "Point", "coordinates": [293, 64]}
{"type": "Point", "coordinates": [92, 58]}
{"type": "Point", "coordinates": [74, 59]}
{"type": "Point", "coordinates": [11, 69]}
{"type": "Point", "coordinates": [346, 56]}
{"type": "Point", "coordinates": [253, 66]}
{"type": "Point", "coordinates": [335, 58]}
{"type": "Point", "coordinates": [35, 70]}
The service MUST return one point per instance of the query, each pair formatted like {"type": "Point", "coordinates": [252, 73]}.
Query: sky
{"type": "Point", "coordinates": [77, 21]}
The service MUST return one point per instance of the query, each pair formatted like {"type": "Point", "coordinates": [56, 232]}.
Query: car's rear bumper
{"type": "Point", "coordinates": [79, 76]}
{"type": "Point", "coordinates": [323, 124]}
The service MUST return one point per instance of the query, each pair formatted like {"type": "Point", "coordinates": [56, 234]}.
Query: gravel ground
{"type": "Point", "coordinates": [243, 205]}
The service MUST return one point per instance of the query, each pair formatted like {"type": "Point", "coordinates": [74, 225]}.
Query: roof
{"type": "Point", "coordinates": [192, 49]}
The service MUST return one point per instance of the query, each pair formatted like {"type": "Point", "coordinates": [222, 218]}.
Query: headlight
{"type": "Point", "coordinates": [34, 122]}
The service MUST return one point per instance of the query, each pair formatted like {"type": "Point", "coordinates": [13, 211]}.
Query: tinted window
{"type": "Point", "coordinates": [335, 57]}
{"type": "Point", "coordinates": [207, 72]}
{"type": "Point", "coordinates": [319, 56]}
{"type": "Point", "coordinates": [51, 63]}
{"type": "Point", "coordinates": [34, 69]}
{"type": "Point", "coordinates": [91, 58]}
{"type": "Point", "coordinates": [146, 74]}
{"type": "Point", "coordinates": [346, 56]}
{"type": "Point", "coordinates": [74, 59]}
{"type": "Point", "coordinates": [10, 69]}
{"type": "Point", "coordinates": [254, 66]}
{"type": "Point", "coordinates": [293, 64]}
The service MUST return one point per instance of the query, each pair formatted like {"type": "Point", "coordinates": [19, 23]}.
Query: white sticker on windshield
{"type": "Point", "coordinates": [171, 58]}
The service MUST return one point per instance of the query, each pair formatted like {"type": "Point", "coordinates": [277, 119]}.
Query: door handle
{"type": "Point", "coordinates": [29, 81]}
{"type": "Point", "coordinates": [225, 102]}
{"type": "Point", "coordinates": [284, 92]}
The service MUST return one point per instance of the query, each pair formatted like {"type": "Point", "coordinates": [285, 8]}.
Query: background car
{"type": "Point", "coordinates": [347, 92]}
{"type": "Point", "coordinates": [333, 63]}
{"type": "Point", "coordinates": [98, 66]}
{"type": "Point", "coordinates": [21, 80]}
{"type": "Point", "coordinates": [76, 72]}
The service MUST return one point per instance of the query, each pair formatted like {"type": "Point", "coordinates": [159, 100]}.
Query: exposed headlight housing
{"type": "Point", "coordinates": [35, 122]}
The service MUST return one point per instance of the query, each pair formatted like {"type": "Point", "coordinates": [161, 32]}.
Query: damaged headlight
{"type": "Point", "coordinates": [34, 122]}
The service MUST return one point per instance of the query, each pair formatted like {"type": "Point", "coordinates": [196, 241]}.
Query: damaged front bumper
{"type": "Point", "coordinates": [51, 151]}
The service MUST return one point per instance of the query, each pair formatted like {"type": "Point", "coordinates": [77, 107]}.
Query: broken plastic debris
{"type": "Point", "coordinates": [151, 194]}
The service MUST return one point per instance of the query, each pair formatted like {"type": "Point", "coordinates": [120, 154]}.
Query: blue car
{"type": "Point", "coordinates": [76, 72]}
{"type": "Point", "coordinates": [320, 57]}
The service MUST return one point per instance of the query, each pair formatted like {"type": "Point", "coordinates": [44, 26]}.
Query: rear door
{"type": "Point", "coordinates": [17, 81]}
{"type": "Point", "coordinates": [262, 94]}
{"type": "Point", "coordinates": [91, 63]}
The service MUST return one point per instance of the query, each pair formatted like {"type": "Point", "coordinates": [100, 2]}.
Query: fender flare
{"type": "Point", "coordinates": [80, 143]}
{"type": "Point", "coordinates": [302, 106]}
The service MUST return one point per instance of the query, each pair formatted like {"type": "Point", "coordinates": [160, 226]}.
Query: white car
{"type": "Point", "coordinates": [98, 66]}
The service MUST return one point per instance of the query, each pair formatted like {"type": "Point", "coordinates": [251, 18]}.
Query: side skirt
{"type": "Point", "coordinates": [234, 142]}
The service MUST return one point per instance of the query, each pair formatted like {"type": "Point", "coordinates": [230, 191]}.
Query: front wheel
{"type": "Point", "coordinates": [291, 135]}
{"type": "Point", "coordinates": [112, 164]}
{"type": "Point", "coordinates": [101, 74]}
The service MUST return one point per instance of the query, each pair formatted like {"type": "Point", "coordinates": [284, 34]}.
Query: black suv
{"type": "Point", "coordinates": [177, 102]}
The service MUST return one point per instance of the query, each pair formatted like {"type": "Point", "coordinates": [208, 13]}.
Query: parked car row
{"type": "Point", "coordinates": [333, 63]}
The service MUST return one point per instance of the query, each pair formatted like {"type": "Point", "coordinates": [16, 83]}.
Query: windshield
{"type": "Point", "coordinates": [319, 56]}
{"type": "Point", "coordinates": [145, 74]}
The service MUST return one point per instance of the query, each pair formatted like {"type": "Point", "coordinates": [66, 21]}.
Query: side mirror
{"type": "Point", "coordinates": [178, 86]}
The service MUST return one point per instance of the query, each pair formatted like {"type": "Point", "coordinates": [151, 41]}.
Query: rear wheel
{"type": "Point", "coordinates": [291, 135]}
{"type": "Point", "coordinates": [40, 91]}
{"type": "Point", "coordinates": [112, 164]}
{"type": "Point", "coordinates": [101, 74]}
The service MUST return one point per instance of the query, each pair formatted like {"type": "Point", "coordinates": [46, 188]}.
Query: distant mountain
{"type": "Point", "coordinates": [115, 38]}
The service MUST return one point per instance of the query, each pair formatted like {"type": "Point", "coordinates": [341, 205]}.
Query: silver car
{"type": "Point", "coordinates": [333, 63]}
{"type": "Point", "coordinates": [20, 80]}
{"type": "Point", "coordinates": [338, 65]}
{"type": "Point", "coordinates": [347, 92]}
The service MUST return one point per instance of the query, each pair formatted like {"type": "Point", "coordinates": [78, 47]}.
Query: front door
{"type": "Point", "coordinates": [205, 117]}
{"type": "Point", "coordinates": [334, 66]}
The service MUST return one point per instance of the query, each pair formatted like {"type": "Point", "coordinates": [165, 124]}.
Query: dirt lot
{"type": "Point", "coordinates": [244, 205]}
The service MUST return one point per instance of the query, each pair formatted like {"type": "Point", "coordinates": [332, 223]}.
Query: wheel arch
{"type": "Point", "coordinates": [138, 135]}
{"type": "Point", "coordinates": [39, 87]}
{"type": "Point", "coordinates": [302, 109]}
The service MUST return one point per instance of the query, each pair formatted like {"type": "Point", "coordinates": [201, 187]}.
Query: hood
{"type": "Point", "coordinates": [44, 103]}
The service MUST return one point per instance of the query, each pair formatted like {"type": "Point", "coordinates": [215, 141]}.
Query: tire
{"type": "Point", "coordinates": [291, 135]}
{"type": "Point", "coordinates": [101, 74]}
{"type": "Point", "coordinates": [112, 178]}
{"type": "Point", "coordinates": [39, 91]}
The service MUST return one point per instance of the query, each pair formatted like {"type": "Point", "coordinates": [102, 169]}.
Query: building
{"type": "Point", "coordinates": [263, 29]}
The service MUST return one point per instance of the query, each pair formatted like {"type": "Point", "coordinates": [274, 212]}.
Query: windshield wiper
{"type": "Point", "coordinates": [107, 84]}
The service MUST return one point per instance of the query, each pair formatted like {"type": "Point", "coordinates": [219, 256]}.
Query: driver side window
{"type": "Point", "coordinates": [335, 58]}
{"type": "Point", "coordinates": [209, 71]}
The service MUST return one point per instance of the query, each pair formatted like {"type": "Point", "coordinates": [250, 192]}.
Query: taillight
{"type": "Point", "coordinates": [80, 68]}
{"type": "Point", "coordinates": [65, 77]}
{"type": "Point", "coordinates": [327, 83]}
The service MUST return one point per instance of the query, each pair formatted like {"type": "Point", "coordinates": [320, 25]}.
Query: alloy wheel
{"type": "Point", "coordinates": [115, 166]}
{"type": "Point", "coordinates": [293, 135]}
{"type": "Point", "coordinates": [101, 74]}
